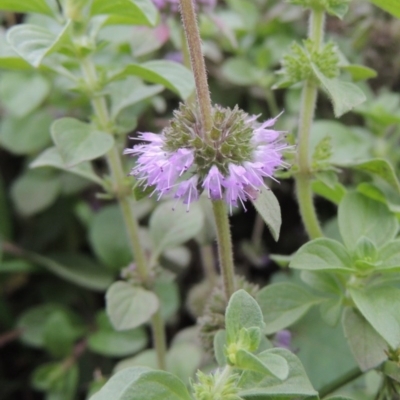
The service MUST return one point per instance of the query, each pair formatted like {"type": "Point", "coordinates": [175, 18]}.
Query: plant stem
{"type": "Point", "coordinates": [308, 102]}
{"type": "Point", "coordinates": [159, 339]}
{"type": "Point", "coordinates": [198, 65]}
{"type": "Point", "coordinates": [339, 382]}
{"type": "Point", "coordinates": [224, 247]}
{"type": "Point", "coordinates": [126, 202]}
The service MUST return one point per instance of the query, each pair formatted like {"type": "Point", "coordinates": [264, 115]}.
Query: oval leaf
{"type": "Point", "coordinates": [78, 142]}
{"type": "Point", "coordinates": [268, 207]}
{"type": "Point", "coordinates": [282, 304]}
{"type": "Point", "coordinates": [170, 74]}
{"type": "Point", "coordinates": [322, 254]}
{"type": "Point", "coordinates": [143, 383]}
{"type": "Point", "coordinates": [129, 307]}
{"type": "Point", "coordinates": [33, 42]}
{"type": "Point", "coordinates": [170, 228]}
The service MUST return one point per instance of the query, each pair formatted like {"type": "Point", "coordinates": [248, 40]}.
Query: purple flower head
{"type": "Point", "coordinates": [228, 163]}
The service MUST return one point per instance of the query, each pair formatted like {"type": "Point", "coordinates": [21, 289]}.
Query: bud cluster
{"type": "Point", "coordinates": [298, 65]}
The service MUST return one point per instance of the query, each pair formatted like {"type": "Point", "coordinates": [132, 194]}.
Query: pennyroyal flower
{"type": "Point", "coordinates": [228, 163]}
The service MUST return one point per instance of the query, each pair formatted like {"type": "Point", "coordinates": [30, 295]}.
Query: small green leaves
{"type": "Point", "coordinates": [33, 42]}
{"type": "Point", "coordinates": [26, 135]}
{"type": "Point", "coordinates": [391, 6]}
{"type": "Point", "coordinates": [169, 228]}
{"type": "Point", "coordinates": [51, 158]}
{"type": "Point", "coordinates": [144, 382]}
{"type": "Point", "coordinates": [367, 346]}
{"type": "Point", "coordinates": [78, 142]}
{"type": "Point", "coordinates": [16, 87]}
{"type": "Point", "coordinates": [170, 74]}
{"type": "Point", "coordinates": [380, 307]}
{"type": "Point", "coordinates": [337, 8]}
{"type": "Point", "coordinates": [34, 191]}
{"type": "Point", "coordinates": [322, 254]}
{"type": "Point", "coordinates": [23, 6]}
{"type": "Point", "coordinates": [282, 304]}
{"type": "Point", "coordinates": [138, 12]}
{"type": "Point", "coordinates": [359, 72]}
{"type": "Point", "coordinates": [263, 387]}
{"type": "Point", "coordinates": [108, 239]}
{"type": "Point", "coordinates": [381, 168]}
{"type": "Point", "coordinates": [106, 341]}
{"type": "Point", "coordinates": [268, 207]}
{"type": "Point", "coordinates": [128, 306]}
{"type": "Point", "coordinates": [242, 312]}
{"type": "Point", "coordinates": [361, 216]}
{"type": "Point", "coordinates": [344, 95]}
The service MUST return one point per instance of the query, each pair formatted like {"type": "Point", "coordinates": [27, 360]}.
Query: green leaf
{"type": "Point", "coordinates": [334, 194]}
{"type": "Point", "coordinates": [331, 310]}
{"type": "Point", "coordinates": [170, 74]}
{"type": "Point", "coordinates": [348, 144]}
{"type": "Point", "coordinates": [171, 227]}
{"type": "Point", "coordinates": [141, 382]}
{"type": "Point", "coordinates": [381, 308]}
{"type": "Point", "coordinates": [23, 6]}
{"type": "Point", "coordinates": [254, 385]}
{"type": "Point", "coordinates": [182, 366]}
{"type": "Point", "coordinates": [52, 158]}
{"type": "Point", "coordinates": [129, 307]}
{"type": "Point", "coordinates": [33, 42]}
{"type": "Point", "coordinates": [367, 346]}
{"type": "Point", "coordinates": [78, 269]}
{"type": "Point", "coordinates": [78, 142]}
{"type": "Point", "coordinates": [391, 6]}
{"type": "Point", "coordinates": [383, 193]}
{"type": "Point", "coordinates": [128, 92]}
{"type": "Point", "coordinates": [326, 282]}
{"type": "Point", "coordinates": [381, 168]}
{"type": "Point", "coordinates": [360, 216]}
{"type": "Point", "coordinates": [33, 321]}
{"type": "Point", "coordinates": [338, 10]}
{"type": "Point", "coordinates": [138, 12]}
{"type": "Point", "coordinates": [34, 191]}
{"type": "Point", "coordinates": [59, 334]}
{"type": "Point", "coordinates": [389, 255]}
{"type": "Point", "coordinates": [9, 59]}
{"type": "Point", "coordinates": [242, 312]}
{"type": "Point", "coordinates": [16, 87]}
{"type": "Point", "coordinates": [59, 382]}
{"type": "Point", "coordinates": [241, 71]}
{"type": "Point", "coordinates": [392, 369]}
{"type": "Point", "coordinates": [322, 254]}
{"type": "Point", "coordinates": [344, 95]}
{"type": "Point", "coordinates": [359, 72]}
{"type": "Point", "coordinates": [108, 238]}
{"type": "Point", "coordinates": [311, 336]}
{"type": "Point", "coordinates": [16, 266]}
{"type": "Point", "coordinates": [282, 304]}
{"type": "Point", "coordinates": [219, 347]}
{"type": "Point", "coordinates": [26, 135]}
{"type": "Point", "coordinates": [268, 207]}
{"type": "Point", "coordinates": [167, 292]}
{"type": "Point", "coordinates": [265, 363]}
{"type": "Point", "coordinates": [110, 343]}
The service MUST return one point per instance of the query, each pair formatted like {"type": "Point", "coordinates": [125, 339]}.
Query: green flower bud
{"type": "Point", "coordinates": [297, 66]}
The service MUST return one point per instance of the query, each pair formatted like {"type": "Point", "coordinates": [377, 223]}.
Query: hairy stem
{"type": "Point", "coordinates": [339, 382]}
{"type": "Point", "coordinates": [198, 65]}
{"type": "Point", "coordinates": [224, 247]}
{"type": "Point", "coordinates": [126, 202]}
{"type": "Point", "coordinates": [159, 339]}
{"type": "Point", "coordinates": [308, 102]}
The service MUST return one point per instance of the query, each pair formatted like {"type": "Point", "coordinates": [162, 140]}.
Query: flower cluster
{"type": "Point", "coordinates": [229, 163]}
